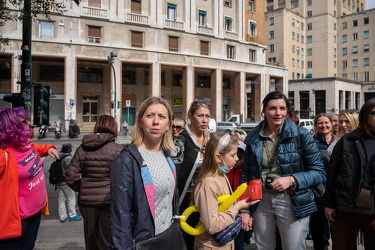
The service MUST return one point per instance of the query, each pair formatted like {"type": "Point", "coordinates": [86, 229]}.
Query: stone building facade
{"type": "Point", "coordinates": [181, 50]}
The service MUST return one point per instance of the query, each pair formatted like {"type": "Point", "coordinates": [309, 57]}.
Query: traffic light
{"type": "Point", "coordinates": [41, 105]}
{"type": "Point", "coordinates": [112, 104]}
{"type": "Point", "coordinates": [14, 98]}
{"type": "Point", "coordinates": [111, 57]}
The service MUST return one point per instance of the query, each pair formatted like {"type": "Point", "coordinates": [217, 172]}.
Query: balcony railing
{"type": "Point", "coordinates": [231, 35]}
{"type": "Point", "coordinates": [136, 18]}
{"type": "Point", "coordinates": [252, 39]}
{"type": "Point", "coordinates": [174, 24]}
{"type": "Point", "coordinates": [205, 30]}
{"type": "Point", "coordinates": [95, 12]}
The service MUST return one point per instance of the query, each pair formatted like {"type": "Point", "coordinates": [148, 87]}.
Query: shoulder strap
{"type": "Point", "coordinates": [297, 143]}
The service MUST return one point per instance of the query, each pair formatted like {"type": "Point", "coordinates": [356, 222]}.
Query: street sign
{"type": "Point", "coordinates": [127, 103]}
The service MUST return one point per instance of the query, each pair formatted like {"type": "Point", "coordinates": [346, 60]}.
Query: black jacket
{"type": "Point", "coordinates": [346, 169]}
{"type": "Point", "coordinates": [185, 157]}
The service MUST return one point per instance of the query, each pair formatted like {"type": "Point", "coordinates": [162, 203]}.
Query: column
{"type": "Point", "coordinates": [217, 94]}
{"type": "Point", "coordinates": [240, 94]}
{"type": "Point", "coordinates": [154, 85]}
{"type": "Point", "coordinates": [70, 84]}
{"type": "Point", "coordinates": [188, 87]}
{"type": "Point", "coordinates": [240, 19]}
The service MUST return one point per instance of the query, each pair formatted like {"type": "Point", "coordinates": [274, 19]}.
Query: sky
{"type": "Point", "coordinates": [370, 4]}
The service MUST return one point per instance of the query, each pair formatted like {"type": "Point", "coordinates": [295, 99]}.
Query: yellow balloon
{"type": "Point", "coordinates": [232, 199]}
{"type": "Point", "coordinates": [192, 209]}
{"type": "Point", "coordinates": [224, 201]}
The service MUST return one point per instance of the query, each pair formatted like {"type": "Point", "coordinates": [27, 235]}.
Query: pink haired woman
{"type": "Point", "coordinates": [22, 182]}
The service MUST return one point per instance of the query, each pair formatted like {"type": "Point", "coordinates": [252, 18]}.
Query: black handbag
{"type": "Point", "coordinates": [170, 239]}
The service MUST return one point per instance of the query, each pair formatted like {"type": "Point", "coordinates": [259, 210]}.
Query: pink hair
{"type": "Point", "coordinates": [13, 132]}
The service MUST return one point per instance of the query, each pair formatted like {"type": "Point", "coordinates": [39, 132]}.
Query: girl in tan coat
{"type": "Point", "coordinates": [220, 157]}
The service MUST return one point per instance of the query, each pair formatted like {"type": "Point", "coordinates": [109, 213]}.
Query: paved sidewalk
{"type": "Point", "coordinates": [56, 235]}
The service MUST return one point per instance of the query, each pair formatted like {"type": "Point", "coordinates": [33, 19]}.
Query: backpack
{"type": "Point", "coordinates": [55, 172]}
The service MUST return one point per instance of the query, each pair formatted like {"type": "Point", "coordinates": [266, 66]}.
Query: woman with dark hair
{"type": "Point", "coordinates": [143, 179]}
{"type": "Point", "coordinates": [188, 156]}
{"type": "Point", "coordinates": [22, 182]}
{"type": "Point", "coordinates": [350, 184]}
{"type": "Point", "coordinates": [88, 173]}
{"type": "Point", "coordinates": [272, 154]}
{"type": "Point", "coordinates": [323, 137]}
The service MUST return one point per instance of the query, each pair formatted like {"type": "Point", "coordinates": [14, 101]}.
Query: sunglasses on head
{"type": "Point", "coordinates": [201, 102]}
{"type": "Point", "coordinates": [178, 128]}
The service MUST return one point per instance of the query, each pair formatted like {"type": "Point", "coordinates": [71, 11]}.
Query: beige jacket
{"type": "Point", "coordinates": [205, 198]}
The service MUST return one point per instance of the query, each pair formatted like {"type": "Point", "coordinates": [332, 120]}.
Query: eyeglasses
{"type": "Point", "coordinates": [201, 102]}
{"type": "Point", "coordinates": [372, 113]}
{"type": "Point", "coordinates": [178, 128]}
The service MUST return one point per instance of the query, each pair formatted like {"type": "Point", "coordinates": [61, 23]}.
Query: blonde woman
{"type": "Point", "coordinates": [348, 121]}
{"type": "Point", "coordinates": [143, 182]}
{"type": "Point", "coordinates": [178, 125]}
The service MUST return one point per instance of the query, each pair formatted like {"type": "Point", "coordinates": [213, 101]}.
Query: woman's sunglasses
{"type": "Point", "coordinates": [201, 102]}
{"type": "Point", "coordinates": [178, 128]}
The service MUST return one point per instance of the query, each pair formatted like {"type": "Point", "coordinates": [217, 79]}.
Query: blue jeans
{"type": "Point", "coordinates": [125, 130]}
{"type": "Point", "coordinates": [30, 228]}
{"type": "Point", "coordinates": [276, 209]}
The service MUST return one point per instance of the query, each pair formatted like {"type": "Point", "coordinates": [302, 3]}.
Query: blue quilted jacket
{"type": "Point", "coordinates": [287, 156]}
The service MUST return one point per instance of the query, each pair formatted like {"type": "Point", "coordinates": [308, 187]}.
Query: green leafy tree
{"type": "Point", "coordinates": [13, 10]}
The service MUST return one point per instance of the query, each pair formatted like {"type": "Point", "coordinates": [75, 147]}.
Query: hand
{"type": "Point", "coordinates": [245, 204]}
{"type": "Point", "coordinates": [53, 153]}
{"type": "Point", "coordinates": [247, 221]}
{"type": "Point", "coordinates": [281, 184]}
{"type": "Point", "coordinates": [330, 214]}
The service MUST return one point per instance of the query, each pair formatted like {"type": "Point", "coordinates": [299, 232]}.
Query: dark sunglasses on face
{"type": "Point", "coordinates": [178, 128]}
{"type": "Point", "coordinates": [201, 102]}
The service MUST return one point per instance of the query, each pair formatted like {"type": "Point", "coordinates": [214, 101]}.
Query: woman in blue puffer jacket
{"type": "Point", "coordinates": [271, 154]}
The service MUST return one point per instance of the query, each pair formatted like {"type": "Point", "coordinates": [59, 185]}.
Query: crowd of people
{"type": "Point", "coordinates": [129, 195]}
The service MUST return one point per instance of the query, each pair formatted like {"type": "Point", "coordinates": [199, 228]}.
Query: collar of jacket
{"type": "Point", "coordinates": [289, 130]}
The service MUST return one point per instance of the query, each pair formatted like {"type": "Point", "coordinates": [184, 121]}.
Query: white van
{"type": "Point", "coordinates": [308, 124]}
{"type": "Point", "coordinates": [212, 126]}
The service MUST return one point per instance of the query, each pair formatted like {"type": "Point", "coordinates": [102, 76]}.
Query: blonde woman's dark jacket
{"type": "Point", "coordinates": [89, 170]}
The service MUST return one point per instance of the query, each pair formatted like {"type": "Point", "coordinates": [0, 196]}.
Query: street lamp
{"type": "Point", "coordinates": [111, 59]}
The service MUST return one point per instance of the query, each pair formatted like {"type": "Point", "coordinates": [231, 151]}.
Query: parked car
{"type": "Point", "coordinates": [227, 127]}
{"type": "Point", "coordinates": [308, 124]}
{"type": "Point", "coordinates": [212, 126]}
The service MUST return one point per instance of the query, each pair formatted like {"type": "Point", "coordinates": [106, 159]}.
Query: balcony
{"type": "Point", "coordinates": [252, 39]}
{"type": "Point", "coordinates": [174, 24]}
{"type": "Point", "coordinates": [231, 35]}
{"type": "Point", "coordinates": [205, 30]}
{"type": "Point", "coordinates": [94, 12]}
{"type": "Point", "coordinates": [136, 18]}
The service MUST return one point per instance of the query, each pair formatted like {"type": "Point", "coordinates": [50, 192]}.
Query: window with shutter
{"type": "Point", "coordinates": [136, 6]}
{"type": "Point", "coordinates": [173, 43]}
{"type": "Point", "coordinates": [94, 34]}
{"type": "Point", "coordinates": [137, 39]}
{"type": "Point", "coordinates": [95, 3]}
{"type": "Point", "coordinates": [205, 48]}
